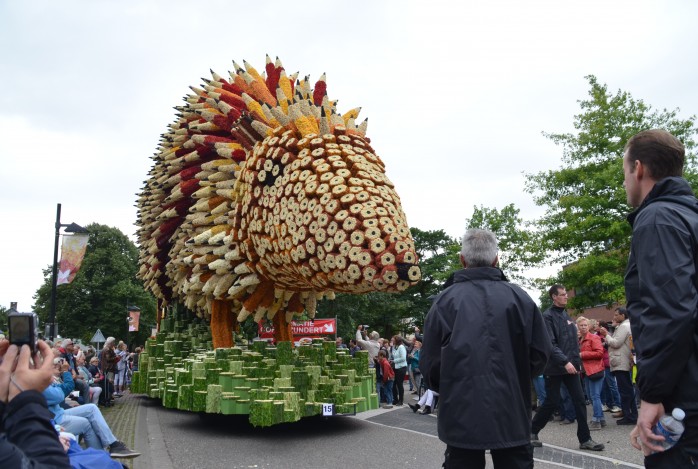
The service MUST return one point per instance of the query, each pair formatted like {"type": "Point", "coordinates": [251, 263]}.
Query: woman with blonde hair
{"type": "Point", "coordinates": [591, 351]}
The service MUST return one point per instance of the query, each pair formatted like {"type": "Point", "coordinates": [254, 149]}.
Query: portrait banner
{"type": "Point", "coordinates": [134, 318]}
{"type": "Point", "coordinates": [72, 252]}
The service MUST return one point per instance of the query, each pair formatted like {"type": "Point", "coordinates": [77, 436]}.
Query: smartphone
{"type": "Point", "coordinates": [23, 328]}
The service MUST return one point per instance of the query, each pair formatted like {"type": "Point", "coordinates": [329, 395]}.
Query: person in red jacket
{"type": "Point", "coordinates": [591, 351]}
{"type": "Point", "coordinates": [388, 378]}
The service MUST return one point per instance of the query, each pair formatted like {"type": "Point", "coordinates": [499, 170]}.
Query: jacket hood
{"type": "Point", "coordinates": [671, 189]}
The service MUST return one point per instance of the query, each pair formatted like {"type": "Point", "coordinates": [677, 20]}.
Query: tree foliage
{"type": "Point", "coordinates": [101, 291]}
{"type": "Point", "coordinates": [584, 224]}
{"type": "Point", "coordinates": [518, 246]}
{"type": "Point", "coordinates": [3, 319]}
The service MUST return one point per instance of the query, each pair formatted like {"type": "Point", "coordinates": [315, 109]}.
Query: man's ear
{"type": "Point", "coordinates": [640, 171]}
{"type": "Point", "coordinates": [496, 261]}
{"type": "Point", "coordinates": [462, 261]}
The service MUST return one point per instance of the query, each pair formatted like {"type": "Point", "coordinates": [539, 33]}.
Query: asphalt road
{"type": "Point", "coordinates": [395, 438]}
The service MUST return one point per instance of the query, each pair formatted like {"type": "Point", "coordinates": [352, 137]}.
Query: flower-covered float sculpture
{"type": "Point", "coordinates": [263, 200]}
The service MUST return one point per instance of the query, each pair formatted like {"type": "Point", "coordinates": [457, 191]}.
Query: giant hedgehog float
{"type": "Point", "coordinates": [263, 199]}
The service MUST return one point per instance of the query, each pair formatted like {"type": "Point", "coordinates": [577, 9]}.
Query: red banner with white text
{"type": "Point", "coordinates": [303, 331]}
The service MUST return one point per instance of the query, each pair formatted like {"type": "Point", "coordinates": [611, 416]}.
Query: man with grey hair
{"type": "Point", "coordinates": [484, 338]}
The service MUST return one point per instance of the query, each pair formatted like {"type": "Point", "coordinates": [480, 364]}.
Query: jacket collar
{"type": "Point", "coordinates": [674, 189]}
{"type": "Point", "coordinates": [479, 273]}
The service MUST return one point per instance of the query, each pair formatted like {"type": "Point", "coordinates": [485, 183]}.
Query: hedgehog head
{"type": "Point", "coordinates": [321, 214]}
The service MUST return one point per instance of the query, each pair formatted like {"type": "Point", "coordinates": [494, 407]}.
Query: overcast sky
{"type": "Point", "coordinates": [457, 94]}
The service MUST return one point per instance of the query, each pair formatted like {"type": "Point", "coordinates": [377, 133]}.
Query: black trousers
{"type": "Point", "coordinates": [627, 394]}
{"type": "Point", "coordinates": [552, 403]}
{"type": "Point", "coordinates": [399, 385]}
{"type": "Point", "coordinates": [517, 457]}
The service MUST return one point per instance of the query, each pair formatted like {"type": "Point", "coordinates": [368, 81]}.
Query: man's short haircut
{"type": "Point", "coordinates": [554, 289]}
{"type": "Point", "coordinates": [479, 248]}
{"type": "Point", "coordinates": [375, 335]}
{"type": "Point", "coordinates": [661, 153]}
{"type": "Point", "coordinates": [66, 342]}
{"type": "Point", "coordinates": [622, 311]}
{"type": "Point", "coordinates": [582, 318]}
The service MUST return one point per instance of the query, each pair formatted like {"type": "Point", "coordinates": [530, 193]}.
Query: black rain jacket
{"type": "Point", "coordinates": [27, 437]}
{"type": "Point", "coordinates": [661, 286]}
{"type": "Point", "coordinates": [484, 339]}
{"type": "Point", "coordinates": [562, 330]}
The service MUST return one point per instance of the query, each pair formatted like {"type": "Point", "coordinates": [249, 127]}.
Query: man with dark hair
{"type": "Point", "coordinates": [621, 359]}
{"type": "Point", "coordinates": [483, 340]}
{"type": "Point", "coordinates": [563, 367]}
{"type": "Point", "coordinates": [661, 288]}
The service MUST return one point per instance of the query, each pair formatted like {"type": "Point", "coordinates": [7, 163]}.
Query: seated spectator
{"type": "Point", "coordinates": [426, 401]}
{"type": "Point", "coordinates": [85, 420]}
{"type": "Point", "coordinates": [86, 458]}
{"type": "Point", "coordinates": [27, 436]}
{"type": "Point", "coordinates": [67, 351]}
{"type": "Point", "coordinates": [95, 390]}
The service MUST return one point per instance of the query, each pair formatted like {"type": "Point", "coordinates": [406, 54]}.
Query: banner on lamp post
{"type": "Point", "coordinates": [72, 253]}
{"type": "Point", "coordinates": [134, 318]}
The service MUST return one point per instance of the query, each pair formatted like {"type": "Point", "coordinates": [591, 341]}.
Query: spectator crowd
{"type": "Point", "coordinates": [51, 401]}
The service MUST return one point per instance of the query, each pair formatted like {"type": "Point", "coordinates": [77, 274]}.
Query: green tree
{"type": "Point", "coordinates": [584, 224]}
{"type": "Point", "coordinates": [3, 319]}
{"type": "Point", "coordinates": [518, 245]}
{"type": "Point", "coordinates": [101, 291]}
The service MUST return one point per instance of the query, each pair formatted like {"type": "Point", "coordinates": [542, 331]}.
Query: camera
{"type": "Point", "coordinates": [23, 328]}
{"type": "Point", "coordinates": [366, 327]}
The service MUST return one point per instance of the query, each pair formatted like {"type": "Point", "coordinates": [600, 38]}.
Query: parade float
{"type": "Point", "coordinates": [263, 200]}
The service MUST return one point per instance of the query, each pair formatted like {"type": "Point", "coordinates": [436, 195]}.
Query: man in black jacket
{"type": "Point", "coordinates": [661, 287]}
{"type": "Point", "coordinates": [563, 367]}
{"type": "Point", "coordinates": [483, 340]}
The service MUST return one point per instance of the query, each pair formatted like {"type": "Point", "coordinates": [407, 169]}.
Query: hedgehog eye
{"type": "Point", "coordinates": [271, 176]}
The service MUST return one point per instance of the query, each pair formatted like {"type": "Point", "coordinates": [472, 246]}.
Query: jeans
{"type": "Point", "coordinates": [552, 402]}
{"type": "Point", "coordinates": [627, 394]}
{"type": "Point", "coordinates": [87, 420]}
{"type": "Point", "coordinates": [539, 386]}
{"type": "Point", "coordinates": [594, 388]}
{"type": "Point", "coordinates": [518, 457]}
{"type": "Point", "coordinates": [388, 391]}
{"type": "Point", "coordinates": [609, 393]}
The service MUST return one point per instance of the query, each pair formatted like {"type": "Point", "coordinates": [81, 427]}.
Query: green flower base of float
{"type": "Point", "coordinates": [271, 385]}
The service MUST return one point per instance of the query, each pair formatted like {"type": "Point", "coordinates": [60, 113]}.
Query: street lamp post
{"type": "Point", "coordinates": [69, 228]}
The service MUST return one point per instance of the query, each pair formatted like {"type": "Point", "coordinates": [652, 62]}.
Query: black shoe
{"type": "Point", "coordinates": [625, 421]}
{"type": "Point", "coordinates": [535, 442]}
{"type": "Point", "coordinates": [591, 445]}
{"type": "Point", "coordinates": [414, 407]}
{"type": "Point", "coordinates": [427, 410]}
{"type": "Point", "coordinates": [120, 450]}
